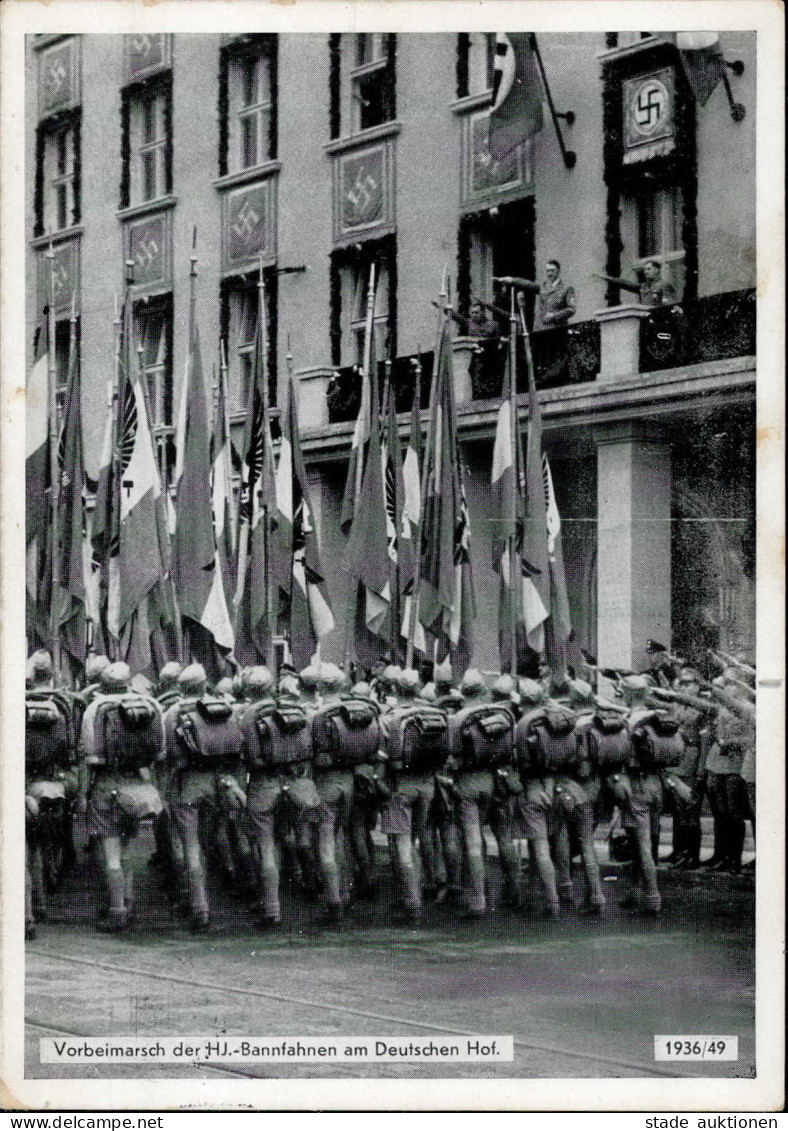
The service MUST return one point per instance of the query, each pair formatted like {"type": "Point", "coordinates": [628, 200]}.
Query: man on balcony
{"type": "Point", "coordinates": [652, 290]}
{"type": "Point", "coordinates": [555, 303]}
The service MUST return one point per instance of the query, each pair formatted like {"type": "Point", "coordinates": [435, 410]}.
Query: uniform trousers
{"type": "Point", "coordinates": [575, 799]}
{"type": "Point", "coordinates": [335, 794]}
{"type": "Point", "coordinates": [640, 799]}
{"type": "Point", "coordinates": [271, 797]}
{"type": "Point", "coordinates": [405, 820]}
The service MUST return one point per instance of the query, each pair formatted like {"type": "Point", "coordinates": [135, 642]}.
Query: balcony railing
{"type": "Point", "coordinates": [344, 389]}
{"type": "Point", "coordinates": [566, 355]}
{"type": "Point", "coordinates": [709, 329]}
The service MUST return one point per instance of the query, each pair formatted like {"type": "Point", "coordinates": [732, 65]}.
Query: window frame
{"type": "Point", "coordinates": [234, 57]}
{"type": "Point", "coordinates": [134, 145]}
{"type": "Point", "coordinates": [53, 184]}
{"type": "Point", "coordinates": [161, 405]}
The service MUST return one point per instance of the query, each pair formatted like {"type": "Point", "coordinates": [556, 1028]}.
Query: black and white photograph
{"type": "Point", "coordinates": [398, 570]}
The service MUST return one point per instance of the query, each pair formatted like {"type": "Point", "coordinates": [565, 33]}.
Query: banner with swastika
{"type": "Point", "coordinates": [58, 78]}
{"type": "Point", "coordinates": [148, 247]}
{"type": "Point", "coordinates": [59, 275]}
{"type": "Point", "coordinates": [247, 232]}
{"type": "Point", "coordinates": [145, 54]}
{"type": "Point", "coordinates": [649, 115]}
{"type": "Point", "coordinates": [363, 181]}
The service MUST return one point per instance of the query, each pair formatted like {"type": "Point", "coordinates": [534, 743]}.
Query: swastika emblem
{"type": "Point", "coordinates": [649, 107]}
{"type": "Point", "coordinates": [57, 76]}
{"type": "Point", "coordinates": [141, 44]}
{"type": "Point", "coordinates": [146, 251]}
{"type": "Point", "coordinates": [246, 221]}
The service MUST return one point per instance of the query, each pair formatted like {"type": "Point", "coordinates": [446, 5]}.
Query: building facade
{"type": "Point", "coordinates": [311, 156]}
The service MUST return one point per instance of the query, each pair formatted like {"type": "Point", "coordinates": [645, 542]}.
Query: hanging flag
{"type": "Point", "coordinates": [37, 469]}
{"type": "Point", "coordinates": [409, 541]}
{"type": "Point", "coordinates": [446, 605]}
{"type": "Point", "coordinates": [72, 599]}
{"type": "Point", "coordinates": [198, 581]}
{"type": "Point", "coordinates": [703, 62]}
{"type": "Point", "coordinates": [516, 112]}
{"type": "Point", "coordinates": [311, 617]}
{"type": "Point", "coordinates": [130, 531]}
{"type": "Point", "coordinates": [533, 551]}
{"type": "Point", "coordinates": [504, 470]}
{"type": "Point", "coordinates": [37, 491]}
{"type": "Point", "coordinates": [224, 518]}
{"type": "Point", "coordinates": [253, 617]}
{"type": "Point", "coordinates": [394, 492]}
{"type": "Point", "coordinates": [367, 551]}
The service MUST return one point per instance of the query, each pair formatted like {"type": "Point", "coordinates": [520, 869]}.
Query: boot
{"type": "Point", "coordinates": [717, 855]}
{"type": "Point", "coordinates": [735, 845]}
{"type": "Point", "coordinates": [679, 844]}
{"type": "Point", "coordinates": [692, 856]}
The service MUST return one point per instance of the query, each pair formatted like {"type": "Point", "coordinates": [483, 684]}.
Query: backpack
{"type": "Point", "coordinates": [657, 740]}
{"type": "Point", "coordinates": [128, 733]}
{"type": "Point", "coordinates": [604, 740]}
{"type": "Point", "coordinates": [47, 736]}
{"type": "Point", "coordinates": [418, 739]}
{"type": "Point", "coordinates": [346, 734]}
{"type": "Point", "coordinates": [208, 734]}
{"type": "Point", "coordinates": [547, 742]}
{"type": "Point", "coordinates": [278, 735]}
{"type": "Point", "coordinates": [483, 737]}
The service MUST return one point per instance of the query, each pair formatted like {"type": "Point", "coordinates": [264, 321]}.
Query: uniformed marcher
{"type": "Point", "coordinates": [121, 739]}
{"type": "Point", "coordinates": [416, 749]}
{"type": "Point", "coordinates": [507, 790]}
{"type": "Point", "coordinates": [167, 687]}
{"type": "Point", "coordinates": [278, 757]}
{"type": "Point", "coordinates": [544, 733]}
{"type": "Point", "coordinates": [94, 666]}
{"type": "Point", "coordinates": [480, 742]}
{"type": "Point", "coordinates": [204, 761]}
{"type": "Point", "coordinates": [334, 758]}
{"type": "Point", "coordinates": [576, 795]}
{"type": "Point", "coordinates": [50, 787]}
{"type": "Point", "coordinates": [656, 746]}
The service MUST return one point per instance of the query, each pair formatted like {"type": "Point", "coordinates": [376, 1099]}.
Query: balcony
{"type": "Point", "coordinates": [344, 389]}
{"type": "Point", "coordinates": [709, 329]}
{"type": "Point", "coordinates": [566, 355]}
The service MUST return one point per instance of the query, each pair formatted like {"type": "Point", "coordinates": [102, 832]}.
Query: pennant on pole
{"type": "Point", "coordinates": [72, 596]}
{"type": "Point", "coordinates": [446, 604]}
{"type": "Point", "coordinates": [311, 617]}
{"type": "Point", "coordinates": [703, 62]}
{"type": "Point", "coordinates": [410, 533]}
{"type": "Point", "coordinates": [198, 582]}
{"type": "Point", "coordinates": [253, 627]}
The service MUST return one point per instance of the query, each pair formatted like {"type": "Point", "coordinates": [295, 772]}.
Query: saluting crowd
{"type": "Point", "coordinates": [262, 777]}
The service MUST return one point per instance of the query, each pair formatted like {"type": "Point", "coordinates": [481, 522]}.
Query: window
{"type": "Point", "coordinates": [356, 285]}
{"type": "Point", "coordinates": [652, 229]}
{"type": "Point", "coordinates": [475, 62]}
{"type": "Point", "coordinates": [492, 243]}
{"type": "Point", "coordinates": [240, 316]}
{"type": "Point", "coordinates": [153, 337]}
{"type": "Point", "coordinates": [150, 125]}
{"type": "Point", "coordinates": [62, 359]}
{"type": "Point", "coordinates": [146, 140]}
{"type": "Point", "coordinates": [247, 82]}
{"type": "Point", "coordinates": [362, 82]}
{"type": "Point", "coordinates": [57, 204]}
{"type": "Point", "coordinates": [370, 82]}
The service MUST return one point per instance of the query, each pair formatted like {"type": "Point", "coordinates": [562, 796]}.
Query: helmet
{"type": "Point", "coordinates": [193, 680]}
{"type": "Point", "coordinates": [116, 677]}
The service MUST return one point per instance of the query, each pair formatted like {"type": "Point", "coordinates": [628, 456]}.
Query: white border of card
{"type": "Point", "coordinates": [762, 1093]}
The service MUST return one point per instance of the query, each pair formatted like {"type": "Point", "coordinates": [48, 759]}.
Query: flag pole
{"type": "Point", "coordinates": [223, 393]}
{"type": "Point", "coordinates": [515, 581]}
{"type": "Point", "coordinates": [416, 593]}
{"type": "Point", "coordinates": [366, 377]}
{"type": "Point", "coordinates": [391, 412]}
{"type": "Point", "coordinates": [568, 155]}
{"type": "Point", "coordinates": [529, 361]}
{"type": "Point", "coordinates": [54, 471]}
{"type": "Point", "coordinates": [266, 503]}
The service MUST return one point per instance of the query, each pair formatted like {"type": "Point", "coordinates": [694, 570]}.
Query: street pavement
{"type": "Point", "coordinates": [582, 997]}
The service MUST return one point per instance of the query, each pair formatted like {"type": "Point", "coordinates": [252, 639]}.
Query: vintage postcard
{"type": "Point", "coordinates": [392, 555]}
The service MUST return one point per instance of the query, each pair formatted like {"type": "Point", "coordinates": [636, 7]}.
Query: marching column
{"type": "Point", "coordinates": [634, 482]}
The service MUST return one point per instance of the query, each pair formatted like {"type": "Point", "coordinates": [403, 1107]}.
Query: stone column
{"type": "Point", "coordinates": [312, 385]}
{"type": "Point", "coordinates": [619, 330]}
{"type": "Point", "coordinates": [633, 543]}
{"type": "Point", "coordinates": [463, 352]}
